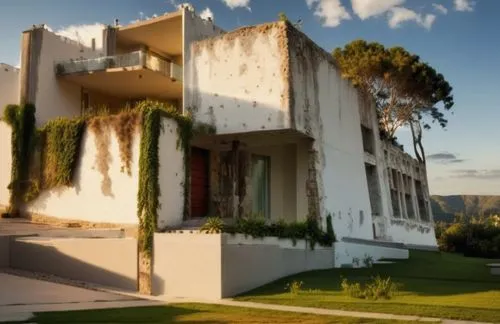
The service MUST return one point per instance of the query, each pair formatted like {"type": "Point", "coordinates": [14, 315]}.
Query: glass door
{"type": "Point", "coordinates": [260, 185]}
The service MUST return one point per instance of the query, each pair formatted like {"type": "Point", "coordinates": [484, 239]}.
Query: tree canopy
{"type": "Point", "coordinates": [407, 91]}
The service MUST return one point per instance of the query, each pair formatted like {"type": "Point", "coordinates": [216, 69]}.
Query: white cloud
{"type": "Point", "coordinates": [207, 14]}
{"type": "Point", "coordinates": [440, 8]}
{"type": "Point", "coordinates": [331, 12]}
{"type": "Point", "coordinates": [464, 5]}
{"type": "Point", "coordinates": [399, 15]}
{"type": "Point", "coordinates": [369, 8]}
{"type": "Point", "coordinates": [233, 4]}
{"type": "Point", "coordinates": [187, 5]}
{"type": "Point", "coordinates": [83, 33]}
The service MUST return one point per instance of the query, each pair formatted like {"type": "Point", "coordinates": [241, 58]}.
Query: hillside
{"type": "Point", "coordinates": [444, 208]}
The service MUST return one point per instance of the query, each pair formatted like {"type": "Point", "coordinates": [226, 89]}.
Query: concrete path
{"type": "Point", "coordinates": [20, 297]}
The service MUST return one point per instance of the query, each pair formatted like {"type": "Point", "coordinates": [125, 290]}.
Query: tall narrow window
{"type": "Point", "coordinates": [260, 185]}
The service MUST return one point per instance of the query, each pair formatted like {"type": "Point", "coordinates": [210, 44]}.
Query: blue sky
{"type": "Point", "coordinates": [457, 37]}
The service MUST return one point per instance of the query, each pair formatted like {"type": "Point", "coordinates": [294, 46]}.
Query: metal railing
{"type": "Point", "coordinates": [144, 59]}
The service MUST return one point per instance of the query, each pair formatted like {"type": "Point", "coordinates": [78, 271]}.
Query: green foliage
{"type": "Point", "coordinates": [213, 225]}
{"type": "Point", "coordinates": [258, 227]}
{"type": "Point", "coordinates": [22, 122]}
{"type": "Point", "coordinates": [376, 288]}
{"type": "Point", "coordinates": [404, 88]}
{"type": "Point", "coordinates": [282, 17]}
{"type": "Point", "coordinates": [472, 239]}
{"type": "Point", "coordinates": [60, 150]}
{"type": "Point", "coordinates": [294, 287]}
{"type": "Point", "coordinates": [149, 187]}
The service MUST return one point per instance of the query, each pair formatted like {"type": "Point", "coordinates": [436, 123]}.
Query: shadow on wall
{"type": "Point", "coordinates": [232, 114]}
{"type": "Point", "coordinates": [107, 262]}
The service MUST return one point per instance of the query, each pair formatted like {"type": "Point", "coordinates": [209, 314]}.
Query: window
{"type": "Point", "coordinates": [260, 185]}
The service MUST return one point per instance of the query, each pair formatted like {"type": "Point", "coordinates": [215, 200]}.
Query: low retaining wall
{"type": "Point", "coordinates": [4, 251]}
{"type": "Point", "coordinates": [213, 266]}
{"type": "Point", "coordinates": [110, 262]}
{"type": "Point", "coordinates": [346, 252]}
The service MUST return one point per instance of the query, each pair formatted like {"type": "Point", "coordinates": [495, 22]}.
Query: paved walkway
{"type": "Point", "coordinates": [20, 297]}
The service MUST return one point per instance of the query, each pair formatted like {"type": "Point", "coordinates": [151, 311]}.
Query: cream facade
{"type": "Point", "coordinates": [293, 140]}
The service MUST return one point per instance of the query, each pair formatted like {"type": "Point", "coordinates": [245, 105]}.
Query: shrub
{"type": "Point", "coordinates": [376, 288]}
{"type": "Point", "coordinates": [213, 225]}
{"type": "Point", "coordinates": [294, 287]}
{"type": "Point", "coordinates": [472, 239]}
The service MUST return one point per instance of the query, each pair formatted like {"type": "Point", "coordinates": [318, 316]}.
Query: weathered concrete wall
{"type": "Point", "coordinates": [236, 81]}
{"type": "Point", "coordinates": [325, 107]}
{"type": "Point", "coordinates": [412, 232]}
{"type": "Point", "coordinates": [109, 262]}
{"type": "Point", "coordinates": [193, 29]}
{"type": "Point", "coordinates": [9, 86]}
{"type": "Point", "coordinates": [213, 266]}
{"type": "Point", "coordinates": [171, 176]}
{"type": "Point", "coordinates": [52, 97]}
{"type": "Point", "coordinates": [5, 162]}
{"type": "Point", "coordinates": [90, 199]}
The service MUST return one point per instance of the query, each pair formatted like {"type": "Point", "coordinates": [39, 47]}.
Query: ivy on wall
{"type": "Point", "coordinates": [60, 141]}
{"type": "Point", "coordinates": [22, 121]}
{"type": "Point", "coordinates": [48, 157]}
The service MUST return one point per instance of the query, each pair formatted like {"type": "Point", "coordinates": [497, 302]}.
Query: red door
{"type": "Point", "coordinates": [199, 182]}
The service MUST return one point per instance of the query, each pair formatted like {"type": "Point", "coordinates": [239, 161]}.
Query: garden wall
{"type": "Point", "coordinates": [111, 196]}
{"type": "Point", "coordinates": [111, 262]}
{"type": "Point", "coordinates": [213, 266]}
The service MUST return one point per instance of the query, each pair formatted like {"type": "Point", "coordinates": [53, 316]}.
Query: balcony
{"type": "Point", "coordinates": [135, 74]}
{"type": "Point", "coordinates": [138, 59]}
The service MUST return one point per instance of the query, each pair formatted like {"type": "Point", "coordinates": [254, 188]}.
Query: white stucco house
{"type": "Point", "coordinates": [292, 139]}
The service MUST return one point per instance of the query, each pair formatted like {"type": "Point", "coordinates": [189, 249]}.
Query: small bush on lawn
{"type": "Point", "coordinates": [294, 287]}
{"type": "Point", "coordinates": [376, 288]}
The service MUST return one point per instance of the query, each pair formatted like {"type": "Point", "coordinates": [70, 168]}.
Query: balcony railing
{"type": "Point", "coordinates": [139, 58]}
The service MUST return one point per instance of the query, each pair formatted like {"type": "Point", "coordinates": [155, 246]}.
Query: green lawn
{"type": "Point", "coordinates": [434, 284]}
{"type": "Point", "coordinates": [190, 313]}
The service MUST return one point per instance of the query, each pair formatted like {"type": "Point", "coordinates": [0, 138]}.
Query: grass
{"type": "Point", "coordinates": [434, 284]}
{"type": "Point", "coordinates": [191, 313]}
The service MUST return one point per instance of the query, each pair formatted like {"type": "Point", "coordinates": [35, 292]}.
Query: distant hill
{"type": "Point", "coordinates": [444, 208]}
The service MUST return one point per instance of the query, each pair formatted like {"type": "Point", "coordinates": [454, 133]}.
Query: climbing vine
{"type": "Point", "coordinates": [149, 187]}
{"type": "Point", "coordinates": [60, 141]}
{"type": "Point", "coordinates": [125, 125]}
{"type": "Point", "coordinates": [22, 122]}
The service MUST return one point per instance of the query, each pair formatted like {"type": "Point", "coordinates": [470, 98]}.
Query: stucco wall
{"type": "Point", "coordinates": [412, 232]}
{"type": "Point", "coordinates": [212, 266]}
{"type": "Point", "coordinates": [87, 201]}
{"type": "Point", "coordinates": [193, 29]}
{"type": "Point", "coordinates": [109, 262]}
{"type": "Point", "coordinates": [235, 81]}
{"type": "Point", "coordinates": [5, 162]}
{"type": "Point", "coordinates": [325, 106]}
{"type": "Point", "coordinates": [187, 265]}
{"type": "Point", "coordinates": [57, 97]}
{"type": "Point", "coordinates": [9, 86]}
{"type": "Point", "coordinates": [171, 177]}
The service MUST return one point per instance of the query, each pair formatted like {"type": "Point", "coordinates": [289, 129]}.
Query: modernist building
{"type": "Point", "coordinates": [292, 137]}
